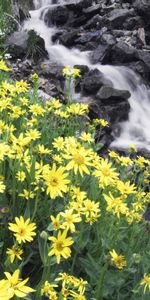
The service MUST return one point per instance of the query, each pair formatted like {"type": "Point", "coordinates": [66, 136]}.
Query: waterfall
{"type": "Point", "coordinates": [134, 131]}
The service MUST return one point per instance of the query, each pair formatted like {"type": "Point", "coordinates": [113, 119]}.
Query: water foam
{"type": "Point", "coordinates": [137, 129]}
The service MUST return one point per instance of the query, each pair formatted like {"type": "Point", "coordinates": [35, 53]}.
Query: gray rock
{"type": "Point", "coordinates": [23, 44]}
{"type": "Point", "coordinates": [117, 17]}
{"type": "Point", "coordinates": [122, 53]}
{"type": "Point", "coordinates": [101, 54]}
{"type": "Point", "coordinates": [109, 95]}
{"type": "Point", "coordinates": [93, 81]}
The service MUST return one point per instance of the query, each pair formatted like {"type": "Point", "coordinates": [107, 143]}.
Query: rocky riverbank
{"type": "Point", "coordinates": [114, 32]}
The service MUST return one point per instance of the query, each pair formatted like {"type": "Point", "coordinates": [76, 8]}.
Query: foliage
{"type": "Point", "coordinates": [7, 22]}
{"type": "Point", "coordinates": [71, 221]}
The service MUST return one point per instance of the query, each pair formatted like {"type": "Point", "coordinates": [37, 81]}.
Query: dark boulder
{"type": "Point", "coordinates": [115, 102]}
{"type": "Point", "coordinates": [89, 40]}
{"type": "Point", "coordinates": [109, 95]}
{"type": "Point", "coordinates": [142, 7]}
{"type": "Point", "coordinates": [144, 56]}
{"type": "Point", "coordinates": [101, 54]}
{"type": "Point", "coordinates": [133, 23]}
{"type": "Point", "coordinates": [23, 44]}
{"type": "Point", "coordinates": [68, 38]}
{"type": "Point", "coordinates": [94, 23]}
{"type": "Point", "coordinates": [51, 70]}
{"type": "Point", "coordinates": [108, 39]}
{"type": "Point", "coordinates": [56, 16]}
{"type": "Point", "coordinates": [92, 10]}
{"type": "Point", "coordinates": [123, 53]}
{"type": "Point", "coordinates": [17, 44]}
{"type": "Point", "coordinates": [116, 18]}
{"type": "Point", "coordinates": [78, 5]}
{"type": "Point", "coordinates": [93, 81]}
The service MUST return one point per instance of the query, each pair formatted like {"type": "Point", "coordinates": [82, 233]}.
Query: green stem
{"type": "Point", "coordinates": [45, 276]}
{"type": "Point", "coordinates": [35, 206]}
{"type": "Point", "coordinates": [100, 283]}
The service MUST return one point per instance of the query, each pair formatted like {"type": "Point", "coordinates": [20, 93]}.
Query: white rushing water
{"type": "Point", "coordinates": [134, 131]}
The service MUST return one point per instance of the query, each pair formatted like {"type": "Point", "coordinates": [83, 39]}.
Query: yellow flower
{"type": "Point", "coordinates": [14, 252]}
{"type": "Point", "coordinates": [3, 66]}
{"type": "Point", "coordinates": [24, 101]}
{"type": "Point", "coordinates": [125, 188]}
{"type": "Point", "coordinates": [61, 114]}
{"type": "Point", "coordinates": [21, 175]}
{"type": "Point", "coordinates": [115, 205]}
{"type": "Point", "coordinates": [125, 161]}
{"type": "Point", "coordinates": [77, 296]}
{"type": "Point", "coordinates": [91, 210]}
{"type": "Point", "coordinates": [56, 181]}
{"type": "Point", "coordinates": [70, 219]}
{"type": "Point", "coordinates": [36, 110]}
{"type": "Point", "coordinates": [4, 290]}
{"type": "Point", "coordinates": [55, 104]}
{"type": "Point", "coordinates": [4, 151]}
{"type": "Point", "coordinates": [118, 260]}
{"type": "Point", "coordinates": [106, 174]}
{"type": "Point", "coordinates": [27, 194]}
{"type": "Point", "coordinates": [16, 112]}
{"type": "Point", "coordinates": [56, 222]}
{"type": "Point", "coordinates": [2, 187]}
{"type": "Point", "coordinates": [141, 161]}
{"type": "Point", "coordinates": [57, 158]}
{"type": "Point", "coordinates": [113, 154]}
{"type": "Point", "coordinates": [43, 150]}
{"type": "Point", "coordinates": [59, 143]}
{"type": "Point", "coordinates": [60, 246]}
{"type": "Point", "coordinates": [3, 126]}
{"type": "Point", "coordinates": [23, 230]}
{"type": "Point", "coordinates": [34, 76]}
{"type": "Point", "coordinates": [146, 282]}
{"type": "Point", "coordinates": [100, 122]}
{"type": "Point", "coordinates": [16, 286]}
{"type": "Point", "coordinates": [21, 86]}
{"type": "Point", "coordinates": [80, 160]}
{"type": "Point", "coordinates": [48, 289]}
{"type": "Point", "coordinates": [77, 109]}
{"type": "Point", "coordinates": [87, 137]}
{"type": "Point", "coordinates": [33, 134]}
{"type": "Point", "coordinates": [71, 72]}
{"type": "Point", "coordinates": [132, 148]}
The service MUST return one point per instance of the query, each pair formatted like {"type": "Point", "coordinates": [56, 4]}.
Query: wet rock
{"type": "Point", "coordinates": [94, 23]}
{"type": "Point", "coordinates": [101, 54]}
{"type": "Point", "coordinates": [68, 38]}
{"type": "Point", "coordinates": [108, 95]}
{"type": "Point", "coordinates": [92, 10]}
{"type": "Point", "coordinates": [122, 53]}
{"type": "Point", "coordinates": [140, 68]}
{"type": "Point", "coordinates": [142, 7]}
{"type": "Point", "coordinates": [51, 70]}
{"type": "Point", "coordinates": [108, 39]}
{"type": "Point", "coordinates": [89, 40]}
{"type": "Point", "coordinates": [56, 16]}
{"type": "Point", "coordinates": [17, 44]}
{"type": "Point", "coordinates": [133, 23]}
{"type": "Point", "coordinates": [116, 18]}
{"type": "Point", "coordinates": [144, 56]}
{"type": "Point", "coordinates": [117, 113]}
{"type": "Point", "coordinates": [23, 44]}
{"type": "Point", "coordinates": [93, 81]}
{"type": "Point", "coordinates": [50, 87]}
{"type": "Point", "coordinates": [20, 9]}
{"type": "Point", "coordinates": [78, 5]}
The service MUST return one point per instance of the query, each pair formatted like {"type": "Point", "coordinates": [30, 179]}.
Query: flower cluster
{"type": "Point", "coordinates": [64, 209]}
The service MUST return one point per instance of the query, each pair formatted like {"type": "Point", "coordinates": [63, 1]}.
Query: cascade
{"type": "Point", "coordinates": [134, 131]}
